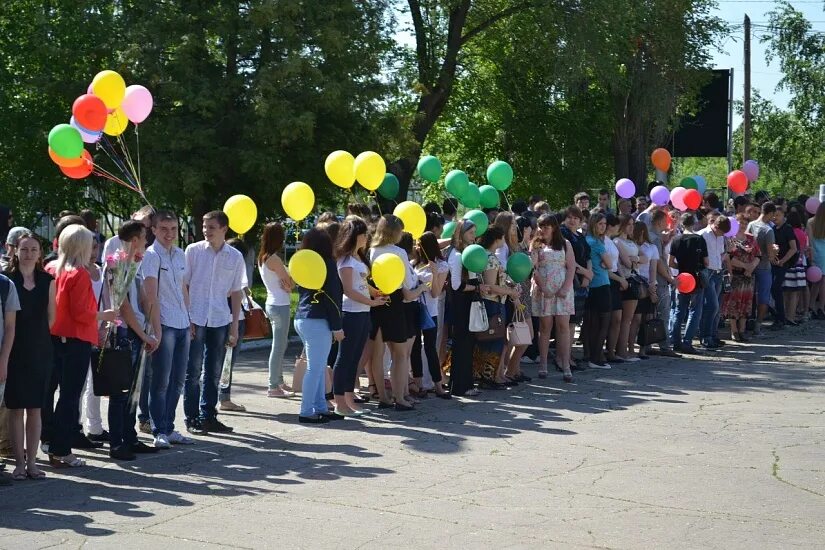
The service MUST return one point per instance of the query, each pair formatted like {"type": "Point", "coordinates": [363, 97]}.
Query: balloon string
{"type": "Point", "coordinates": [316, 301]}
{"type": "Point", "coordinates": [102, 171]}
{"type": "Point", "coordinates": [137, 138]}
{"type": "Point", "coordinates": [118, 162]}
{"type": "Point", "coordinates": [128, 158]}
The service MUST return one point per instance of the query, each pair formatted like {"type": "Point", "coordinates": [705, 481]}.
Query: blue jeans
{"type": "Point", "coordinates": [709, 329]}
{"type": "Point", "coordinates": [206, 354]}
{"type": "Point", "coordinates": [71, 364]}
{"type": "Point", "coordinates": [121, 416]}
{"type": "Point", "coordinates": [169, 370]}
{"type": "Point", "coordinates": [317, 339]}
{"type": "Point", "coordinates": [143, 404]}
{"type": "Point", "coordinates": [687, 306]}
{"type": "Point", "coordinates": [226, 388]}
{"type": "Point", "coordinates": [279, 319]}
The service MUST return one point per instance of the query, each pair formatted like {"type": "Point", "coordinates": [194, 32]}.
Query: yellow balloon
{"type": "Point", "coordinates": [109, 87]}
{"type": "Point", "coordinates": [413, 217]}
{"type": "Point", "coordinates": [242, 213]}
{"type": "Point", "coordinates": [116, 123]}
{"type": "Point", "coordinates": [307, 268]}
{"type": "Point", "coordinates": [298, 200]}
{"type": "Point", "coordinates": [340, 168]}
{"type": "Point", "coordinates": [370, 170]}
{"type": "Point", "coordinates": [388, 272]}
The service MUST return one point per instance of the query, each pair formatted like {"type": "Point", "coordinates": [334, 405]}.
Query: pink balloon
{"type": "Point", "coordinates": [751, 169]}
{"type": "Point", "coordinates": [811, 205]}
{"type": "Point", "coordinates": [814, 274]}
{"type": "Point", "coordinates": [660, 195]}
{"type": "Point", "coordinates": [137, 103]}
{"type": "Point", "coordinates": [625, 188]}
{"type": "Point", "coordinates": [734, 228]}
{"type": "Point", "coordinates": [89, 90]}
{"type": "Point", "coordinates": [677, 196]}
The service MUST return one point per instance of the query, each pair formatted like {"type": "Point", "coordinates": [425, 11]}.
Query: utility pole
{"type": "Point", "coordinates": [746, 122]}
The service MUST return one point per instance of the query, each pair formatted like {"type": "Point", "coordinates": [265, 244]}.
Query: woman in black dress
{"type": "Point", "coordinates": [31, 357]}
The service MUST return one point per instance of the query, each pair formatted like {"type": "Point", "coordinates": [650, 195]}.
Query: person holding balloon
{"type": "Point", "coordinates": [744, 259]}
{"type": "Point", "coordinates": [519, 268]}
{"type": "Point", "coordinates": [689, 255]}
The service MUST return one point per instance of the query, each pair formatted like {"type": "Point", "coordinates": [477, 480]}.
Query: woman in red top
{"type": "Point", "coordinates": [74, 332]}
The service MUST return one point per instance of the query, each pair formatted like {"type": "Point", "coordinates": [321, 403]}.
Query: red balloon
{"type": "Point", "coordinates": [738, 181]}
{"type": "Point", "coordinates": [685, 283]}
{"type": "Point", "coordinates": [80, 172]}
{"type": "Point", "coordinates": [90, 112]}
{"type": "Point", "coordinates": [692, 199]}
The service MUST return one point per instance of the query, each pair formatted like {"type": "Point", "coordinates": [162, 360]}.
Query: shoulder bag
{"type": "Point", "coordinates": [478, 315]}
{"type": "Point", "coordinates": [652, 331]}
{"type": "Point", "coordinates": [257, 324]}
{"type": "Point", "coordinates": [518, 331]}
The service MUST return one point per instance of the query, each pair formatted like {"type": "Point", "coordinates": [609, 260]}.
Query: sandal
{"type": "Point", "coordinates": [18, 476]}
{"type": "Point", "coordinates": [373, 389]}
{"type": "Point", "coordinates": [68, 461]}
{"type": "Point", "coordinates": [37, 474]}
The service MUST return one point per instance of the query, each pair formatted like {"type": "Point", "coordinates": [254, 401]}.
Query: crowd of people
{"type": "Point", "coordinates": [614, 274]}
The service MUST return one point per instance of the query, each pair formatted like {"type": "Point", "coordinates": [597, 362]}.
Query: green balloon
{"type": "Point", "coordinates": [471, 197]}
{"type": "Point", "coordinates": [65, 141]}
{"type": "Point", "coordinates": [389, 187]}
{"type": "Point", "coordinates": [448, 230]}
{"type": "Point", "coordinates": [429, 168]}
{"type": "Point", "coordinates": [500, 175]}
{"type": "Point", "coordinates": [474, 258]}
{"type": "Point", "coordinates": [489, 196]}
{"type": "Point", "coordinates": [519, 267]}
{"type": "Point", "coordinates": [457, 183]}
{"type": "Point", "coordinates": [480, 220]}
{"type": "Point", "coordinates": [689, 183]}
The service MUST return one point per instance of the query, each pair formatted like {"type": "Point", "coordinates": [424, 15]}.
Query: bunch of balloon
{"type": "Point", "coordinates": [101, 116]}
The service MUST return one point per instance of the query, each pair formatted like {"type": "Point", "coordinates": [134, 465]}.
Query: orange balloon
{"type": "Point", "coordinates": [63, 161]}
{"type": "Point", "coordinates": [79, 172]}
{"type": "Point", "coordinates": [661, 159]}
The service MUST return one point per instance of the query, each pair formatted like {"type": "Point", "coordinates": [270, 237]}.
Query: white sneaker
{"type": "Point", "coordinates": [178, 439]}
{"type": "Point", "coordinates": [603, 366]}
{"type": "Point", "coordinates": [161, 442]}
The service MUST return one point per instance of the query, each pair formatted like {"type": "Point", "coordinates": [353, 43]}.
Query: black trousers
{"type": "Point", "coordinates": [356, 331]}
{"type": "Point", "coordinates": [461, 365]}
{"type": "Point", "coordinates": [430, 336]}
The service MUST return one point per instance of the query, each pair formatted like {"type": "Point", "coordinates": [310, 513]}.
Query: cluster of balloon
{"type": "Point", "coordinates": [368, 169]}
{"type": "Point", "coordinates": [685, 283]}
{"type": "Point", "coordinates": [469, 194]}
{"type": "Point", "coordinates": [694, 182]}
{"type": "Point", "coordinates": [685, 199]}
{"type": "Point", "coordinates": [105, 109]}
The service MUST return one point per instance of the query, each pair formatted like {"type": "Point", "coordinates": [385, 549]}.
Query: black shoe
{"type": "Point", "coordinates": [333, 416]}
{"type": "Point", "coordinates": [711, 345]}
{"type": "Point", "coordinates": [445, 395]}
{"type": "Point", "coordinates": [143, 448]}
{"type": "Point", "coordinates": [361, 398]}
{"type": "Point", "coordinates": [792, 323]}
{"type": "Point", "coordinates": [511, 383]}
{"type": "Point", "coordinates": [580, 366]}
{"type": "Point", "coordinates": [317, 419]}
{"type": "Point", "coordinates": [195, 427]}
{"type": "Point", "coordinates": [215, 426]}
{"type": "Point", "coordinates": [400, 407]}
{"type": "Point", "coordinates": [121, 453]}
{"type": "Point", "coordinates": [669, 353]}
{"type": "Point", "coordinates": [102, 437]}
{"type": "Point", "coordinates": [491, 385]}
{"type": "Point", "coordinates": [522, 378]}
{"type": "Point", "coordinates": [777, 325]}
{"type": "Point", "coordinates": [83, 442]}
{"type": "Point", "coordinates": [690, 350]}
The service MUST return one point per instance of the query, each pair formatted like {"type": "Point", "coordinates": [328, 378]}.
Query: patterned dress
{"type": "Point", "coordinates": [737, 303]}
{"type": "Point", "coordinates": [551, 270]}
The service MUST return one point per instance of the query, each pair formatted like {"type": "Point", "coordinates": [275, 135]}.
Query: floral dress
{"type": "Point", "coordinates": [737, 303]}
{"type": "Point", "coordinates": [551, 269]}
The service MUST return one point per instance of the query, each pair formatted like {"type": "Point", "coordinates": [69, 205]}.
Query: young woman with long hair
{"type": "Point", "coordinates": [795, 286]}
{"type": "Point", "coordinates": [618, 285]}
{"type": "Point", "coordinates": [744, 258]}
{"type": "Point", "coordinates": [816, 238]}
{"type": "Point", "coordinates": [598, 305]}
{"type": "Point", "coordinates": [279, 286]}
{"type": "Point", "coordinates": [552, 291]}
{"type": "Point", "coordinates": [506, 221]}
{"type": "Point", "coordinates": [513, 354]}
{"type": "Point", "coordinates": [462, 287]}
{"type": "Point", "coordinates": [646, 268]}
{"type": "Point", "coordinates": [629, 261]}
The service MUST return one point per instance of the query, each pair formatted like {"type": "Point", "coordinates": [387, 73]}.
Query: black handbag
{"type": "Point", "coordinates": [636, 287]}
{"type": "Point", "coordinates": [652, 331]}
{"type": "Point", "coordinates": [112, 369]}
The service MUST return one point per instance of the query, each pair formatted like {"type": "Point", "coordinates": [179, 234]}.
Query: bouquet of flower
{"type": "Point", "coordinates": [120, 273]}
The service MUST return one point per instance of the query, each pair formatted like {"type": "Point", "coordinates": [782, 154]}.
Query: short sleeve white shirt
{"type": "Point", "coordinates": [212, 276]}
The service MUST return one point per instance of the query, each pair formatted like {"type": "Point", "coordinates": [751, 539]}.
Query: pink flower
{"type": "Point", "coordinates": [138, 257]}
{"type": "Point", "coordinates": [110, 261]}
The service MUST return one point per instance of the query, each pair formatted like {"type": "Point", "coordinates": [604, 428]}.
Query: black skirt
{"type": "Point", "coordinates": [598, 300]}
{"type": "Point", "coordinates": [645, 307]}
{"type": "Point", "coordinates": [615, 295]}
{"type": "Point", "coordinates": [390, 319]}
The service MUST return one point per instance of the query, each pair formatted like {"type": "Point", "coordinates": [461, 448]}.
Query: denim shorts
{"type": "Point", "coordinates": [763, 280]}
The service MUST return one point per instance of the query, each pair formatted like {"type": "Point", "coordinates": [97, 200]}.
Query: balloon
{"type": "Point", "coordinates": [519, 267]}
{"type": "Point", "coordinates": [480, 220]}
{"type": "Point", "coordinates": [625, 188]}
{"type": "Point", "coordinates": [307, 268]}
{"type": "Point", "coordinates": [677, 198]}
{"type": "Point", "coordinates": [660, 195]}
{"type": "Point", "coordinates": [298, 200]}
{"type": "Point", "coordinates": [738, 181]}
{"type": "Point", "coordinates": [389, 187]}
{"type": "Point", "coordinates": [369, 170]}
{"type": "Point", "coordinates": [689, 183]}
{"type": "Point", "coordinates": [751, 170]}
{"type": "Point", "coordinates": [137, 103]}
{"type": "Point", "coordinates": [814, 274]}
{"type": "Point", "coordinates": [388, 272]}
{"type": "Point", "coordinates": [86, 135]}
{"type": "Point", "coordinates": [500, 175]}
{"type": "Point", "coordinates": [474, 258]}
{"type": "Point", "coordinates": [413, 217]}
{"type": "Point", "coordinates": [64, 162]}
{"type": "Point", "coordinates": [340, 169]}
{"type": "Point", "coordinates": [116, 123]}
{"type": "Point", "coordinates": [89, 112]}
{"type": "Point", "coordinates": [80, 172]}
{"type": "Point", "coordinates": [109, 87]}
{"type": "Point", "coordinates": [471, 197]}
{"type": "Point", "coordinates": [692, 199]}
{"type": "Point", "coordinates": [457, 183]}
{"type": "Point", "coordinates": [685, 283]}
{"type": "Point", "coordinates": [65, 141]}
{"type": "Point", "coordinates": [448, 230]}
{"type": "Point", "coordinates": [661, 159]}
{"type": "Point", "coordinates": [429, 168]}
{"type": "Point", "coordinates": [242, 213]}
{"type": "Point", "coordinates": [701, 184]}
{"type": "Point", "coordinates": [489, 196]}
{"type": "Point", "coordinates": [811, 205]}
{"type": "Point", "coordinates": [734, 227]}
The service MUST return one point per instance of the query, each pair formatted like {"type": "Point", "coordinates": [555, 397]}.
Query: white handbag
{"type": "Point", "coordinates": [478, 317]}
{"type": "Point", "coordinates": [518, 331]}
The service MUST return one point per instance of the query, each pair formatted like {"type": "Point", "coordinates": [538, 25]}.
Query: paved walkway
{"type": "Point", "coordinates": [723, 453]}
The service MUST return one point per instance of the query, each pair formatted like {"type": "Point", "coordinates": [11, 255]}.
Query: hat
{"type": "Point", "coordinates": [14, 235]}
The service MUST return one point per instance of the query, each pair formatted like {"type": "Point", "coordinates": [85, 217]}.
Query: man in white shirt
{"type": "Point", "coordinates": [714, 235]}
{"type": "Point", "coordinates": [163, 271]}
{"type": "Point", "coordinates": [214, 270]}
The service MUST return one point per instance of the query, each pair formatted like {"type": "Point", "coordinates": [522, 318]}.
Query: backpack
{"type": "Point", "coordinates": [5, 287]}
